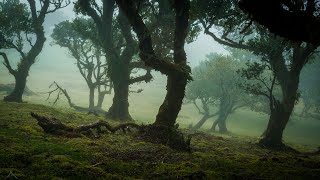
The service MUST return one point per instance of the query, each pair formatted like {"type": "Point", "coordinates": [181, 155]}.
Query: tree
{"type": "Point", "coordinates": [22, 30]}
{"type": "Point", "coordinates": [217, 83]}
{"type": "Point", "coordinates": [296, 20]}
{"type": "Point", "coordinates": [178, 72]}
{"type": "Point", "coordinates": [89, 59]}
{"type": "Point", "coordinates": [119, 50]}
{"type": "Point", "coordinates": [285, 59]}
{"type": "Point", "coordinates": [310, 88]}
{"type": "Point", "coordinates": [201, 89]}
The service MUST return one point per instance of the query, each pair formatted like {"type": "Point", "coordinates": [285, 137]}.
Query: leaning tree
{"type": "Point", "coordinates": [22, 30]}
{"type": "Point", "coordinates": [78, 37]}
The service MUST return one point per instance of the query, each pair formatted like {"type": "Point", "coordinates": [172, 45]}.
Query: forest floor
{"type": "Point", "coordinates": [26, 152]}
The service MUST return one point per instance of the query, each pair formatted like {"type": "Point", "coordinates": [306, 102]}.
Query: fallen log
{"type": "Point", "coordinates": [56, 127]}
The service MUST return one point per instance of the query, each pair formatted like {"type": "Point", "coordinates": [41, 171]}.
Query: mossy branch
{"type": "Point", "coordinates": [56, 127]}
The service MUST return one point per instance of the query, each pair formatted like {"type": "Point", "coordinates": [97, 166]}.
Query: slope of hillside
{"type": "Point", "coordinates": [26, 152]}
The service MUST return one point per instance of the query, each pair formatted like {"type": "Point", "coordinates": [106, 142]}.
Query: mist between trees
{"type": "Point", "coordinates": [117, 45]}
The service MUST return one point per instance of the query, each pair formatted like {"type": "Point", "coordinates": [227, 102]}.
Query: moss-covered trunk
{"type": "Point", "coordinates": [281, 112]}
{"type": "Point", "coordinates": [20, 84]}
{"type": "Point", "coordinates": [91, 97]}
{"type": "Point", "coordinates": [120, 74]}
{"type": "Point", "coordinates": [171, 106]}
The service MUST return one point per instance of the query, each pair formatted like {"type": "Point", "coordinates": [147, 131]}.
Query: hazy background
{"type": "Point", "coordinates": [54, 64]}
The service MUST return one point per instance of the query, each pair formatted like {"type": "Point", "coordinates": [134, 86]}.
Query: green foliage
{"type": "Point", "coordinates": [15, 20]}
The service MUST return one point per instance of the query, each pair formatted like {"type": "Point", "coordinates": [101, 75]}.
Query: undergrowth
{"type": "Point", "coordinates": [26, 152]}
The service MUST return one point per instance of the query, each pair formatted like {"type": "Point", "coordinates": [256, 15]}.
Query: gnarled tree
{"type": "Point", "coordinates": [285, 59]}
{"type": "Point", "coordinates": [89, 59]}
{"type": "Point", "coordinates": [216, 81]}
{"type": "Point", "coordinates": [119, 50]}
{"type": "Point", "coordinates": [22, 30]}
{"type": "Point", "coordinates": [178, 72]}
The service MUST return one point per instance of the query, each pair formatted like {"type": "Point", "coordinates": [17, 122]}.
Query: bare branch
{"type": "Point", "coordinates": [29, 40]}
{"type": "Point", "coordinates": [229, 42]}
{"type": "Point", "coordinates": [147, 78]}
{"type": "Point", "coordinates": [195, 103]}
{"type": "Point", "coordinates": [7, 63]}
{"type": "Point", "coordinates": [58, 5]}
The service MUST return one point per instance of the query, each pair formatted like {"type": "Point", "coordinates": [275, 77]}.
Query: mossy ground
{"type": "Point", "coordinates": [28, 153]}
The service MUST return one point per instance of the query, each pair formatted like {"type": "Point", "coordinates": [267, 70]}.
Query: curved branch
{"type": "Point", "coordinates": [7, 63]}
{"type": "Point", "coordinates": [147, 53]}
{"type": "Point", "coordinates": [294, 25]}
{"type": "Point", "coordinates": [85, 5]}
{"type": "Point", "coordinates": [147, 78]}
{"type": "Point", "coordinates": [219, 40]}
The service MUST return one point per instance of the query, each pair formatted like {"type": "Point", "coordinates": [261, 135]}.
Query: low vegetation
{"type": "Point", "coordinates": [27, 152]}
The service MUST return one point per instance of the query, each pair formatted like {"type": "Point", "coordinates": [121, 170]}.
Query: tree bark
{"type": "Point", "coordinates": [101, 96]}
{"type": "Point", "coordinates": [91, 97]}
{"type": "Point", "coordinates": [281, 112]}
{"type": "Point", "coordinates": [225, 109]}
{"type": "Point", "coordinates": [20, 83]}
{"type": "Point", "coordinates": [204, 118]}
{"type": "Point", "coordinates": [221, 122]}
{"type": "Point", "coordinates": [120, 75]}
{"type": "Point", "coordinates": [164, 130]}
{"type": "Point", "coordinates": [171, 106]}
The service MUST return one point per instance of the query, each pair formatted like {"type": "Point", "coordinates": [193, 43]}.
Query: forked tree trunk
{"type": "Point", "coordinates": [221, 121]}
{"type": "Point", "coordinates": [225, 109]}
{"type": "Point", "coordinates": [280, 114]}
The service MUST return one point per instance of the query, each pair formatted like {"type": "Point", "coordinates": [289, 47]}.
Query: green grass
{"type": "Point", "coordinates": [28, 153]}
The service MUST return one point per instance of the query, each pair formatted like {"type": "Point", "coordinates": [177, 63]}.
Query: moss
{"type": "Point", "coordinates": [184, 170]}
{"type": "Point", "coordinates": [29, 153]}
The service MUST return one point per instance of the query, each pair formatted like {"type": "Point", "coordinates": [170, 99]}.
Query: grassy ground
{"type": "Point", "coordinates": [27, 153]}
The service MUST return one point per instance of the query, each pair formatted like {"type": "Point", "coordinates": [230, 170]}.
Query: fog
{"type": "Point", "coordinates": [56, 64]}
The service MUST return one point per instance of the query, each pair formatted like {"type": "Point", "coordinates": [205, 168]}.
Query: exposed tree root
{"type": "Point", "coordinates": [171, 137]}
{"type": "Point", "coordinates": [282, 147]}
{"type": "Point", "coordinates": [158, 134]}
{"type": "Point", "coordinates": [55, 127]}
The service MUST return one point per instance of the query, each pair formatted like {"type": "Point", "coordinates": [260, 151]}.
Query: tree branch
{"type": "Point", "coordinates": [147, 78]}
{"type": "Point", "coordinates": [219, 40]}
{"type": "Point", "coordinates": [294, 25]}
{"type": "Point", "coordinates": [7, 63]}
{"type": "Point", "coordinates": [195, 103]}
{"type": "Point", "coordinates": [58, 5]}
{"type": "Point", "coordinates": [147, 53]}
